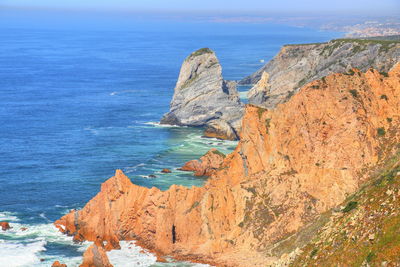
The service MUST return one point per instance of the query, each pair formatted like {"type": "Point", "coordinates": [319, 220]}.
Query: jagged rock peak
{"type": "Point", "coordinates": [203, 98]}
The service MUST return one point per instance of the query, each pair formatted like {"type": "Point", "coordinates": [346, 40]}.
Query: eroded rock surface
{"type": "Point", "coordinates": [95, 256]}
{"type": "Point", "coordinates": [297, 65]}
{"type": "Point", "coordinates": [292, 163]}
{"type": "Point", "coordinates": [208, 164]}
{"type": "Point", "coordinates": [203, 98]}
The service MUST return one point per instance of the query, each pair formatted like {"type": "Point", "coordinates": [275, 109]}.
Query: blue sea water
{"type": "Point", "coordinates": [77, 103]}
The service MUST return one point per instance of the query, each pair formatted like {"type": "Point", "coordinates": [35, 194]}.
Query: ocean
{"type": "Point", "coordinates": [76, 103]}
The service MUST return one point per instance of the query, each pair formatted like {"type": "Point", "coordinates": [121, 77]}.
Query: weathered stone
{"type": "Point", "coordinates": [95, 256]}
{"type": "Point", "coordinates": [208, 164]}
{"type": "Point", "coordinates": [203, 98]}
{"type": "Point", "coordinates": [297, 65]}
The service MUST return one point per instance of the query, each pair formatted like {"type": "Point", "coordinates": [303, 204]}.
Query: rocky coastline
{"type": "Point", "coordinates": [293, 163]}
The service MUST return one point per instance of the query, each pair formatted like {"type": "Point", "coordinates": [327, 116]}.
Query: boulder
{"type": "Point", "coordinates": [95, 256]}
{"type": "Point", "coordinates": [5, 226]}
{"type": "Point", "coordinates": [166, 171]}
{"type": "Point", "coordinates": [208, 164]}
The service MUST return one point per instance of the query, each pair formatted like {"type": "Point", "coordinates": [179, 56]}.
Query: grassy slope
{"type": "Point", "coordinates": [365, 230]}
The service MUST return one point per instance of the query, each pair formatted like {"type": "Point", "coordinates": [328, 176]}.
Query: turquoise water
{"type": "Point", "coordinates": [77, 103]}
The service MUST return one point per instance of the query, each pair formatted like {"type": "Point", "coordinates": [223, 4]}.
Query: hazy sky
{"type": "Point", "coordinates": [290, 6]}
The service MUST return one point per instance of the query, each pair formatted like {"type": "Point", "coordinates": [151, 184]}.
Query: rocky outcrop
{"type": "Point", "coordinates": [203, 98]}
{"type": "Point", "coordinates": [260, 92]}
{"type": "Point", "coordinates": [209, 163]}
{"type": "Point", "coordinates": [5, 226]}
{"type": "Point", "coordinates": [297, 65]}
{"type": "Point", "coordinates": [292, 164]}
{"type": "Point", "coordinates": [95, 256]}
{"type": "Point", "coordinates": [58, 264]}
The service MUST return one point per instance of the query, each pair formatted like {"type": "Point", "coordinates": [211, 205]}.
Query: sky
{"type": "Point", "coordinates": [230, 6]}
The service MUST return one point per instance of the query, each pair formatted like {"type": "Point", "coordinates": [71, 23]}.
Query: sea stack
{"type": "Point", "coordinates": [202, 98]}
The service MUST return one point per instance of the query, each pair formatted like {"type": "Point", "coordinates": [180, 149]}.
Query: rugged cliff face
{"type": "Point", "coordinates": [291, 164]}
{"type": "Point", "coordinates": [296, 65]}
{"type": "Point", "coordinates": [203, 98]}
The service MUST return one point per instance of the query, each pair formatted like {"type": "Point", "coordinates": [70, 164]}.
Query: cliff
{"type": "Point", "coordinates": [297, 65]}
{"type": "Point", "coordinates": [203, 98]}
{"type": "Point", "coordinates": [292, 164]}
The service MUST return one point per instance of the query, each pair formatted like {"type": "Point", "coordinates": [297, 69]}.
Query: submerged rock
{"type": "Point", "coordinates": [203, 98]}
{"type": "Point", "coordinates": [5, 226]}
{"type": "Point", "coordinates": [208, 164]}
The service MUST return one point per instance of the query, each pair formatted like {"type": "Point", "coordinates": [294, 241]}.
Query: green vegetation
{"type": "Point", "coordinates": [195, 204]}
{"type": "Point", "coordinates": [313, 253]}
{"type": "Point", "coordinates": [384, 97]}
{"type": "Point", "coordinates": [268, 124]}
{"type": "Point", "coordinates": [370, 235]}
{"type": "Point", "coordinates": [360, 44]}
{"type": "Point", "coordinates": [350, 206]}
{"type": "Point", "coordinates": [387, 38]}
{"type": "Point", "coordinates": [260, 112]}
{"type": "Point", "coordinates": [381, 131]}
{"type": "Point", "coordinates": [354, 93]}
{"type": "Point", "coordinates": [370, 257]}
{"type": "Point", "coordinates": [385, 74]}
{"type": "Point", "coordinates": [350, 72]}
{"type": "Point", "coordinates": [200, 52]}
{"type": "Point", "coordinates": [216, 152]}
{"type": "Point", "coordinates": [389, 120]}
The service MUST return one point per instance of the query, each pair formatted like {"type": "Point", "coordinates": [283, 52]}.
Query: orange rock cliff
{"type": "Point", "coordinates": [291, 164]}
{"type": "Point", "coordinates": [209, 163]}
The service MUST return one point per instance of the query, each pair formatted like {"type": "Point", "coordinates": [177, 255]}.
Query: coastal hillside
{"type": "Point", "coordinates": [203, 98]}
{"type": "Point", "coordinates": [365, 230]}
{"type": "Point", "coordinates": [299, 64]}
{"type": "Point", "coordinates": [292, 164]}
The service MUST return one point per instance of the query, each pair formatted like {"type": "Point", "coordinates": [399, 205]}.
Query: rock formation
{"type": "Point", "coordinates": [260, 92]}
{"type": "Point", "coordinates": [95, 256]}
{"type": "Point", "coordinates": [58, 264]}
{"type": "Point", "coordinates": [292, 164]}
{"type": "Point", "coordinates": [5, 226]}
{"type": "Point", "coordinates": [203, 98]}
{"type": "Point", "coordinates": [297, 65]}
{"type": "Point", "coordinates": [209, 163]}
